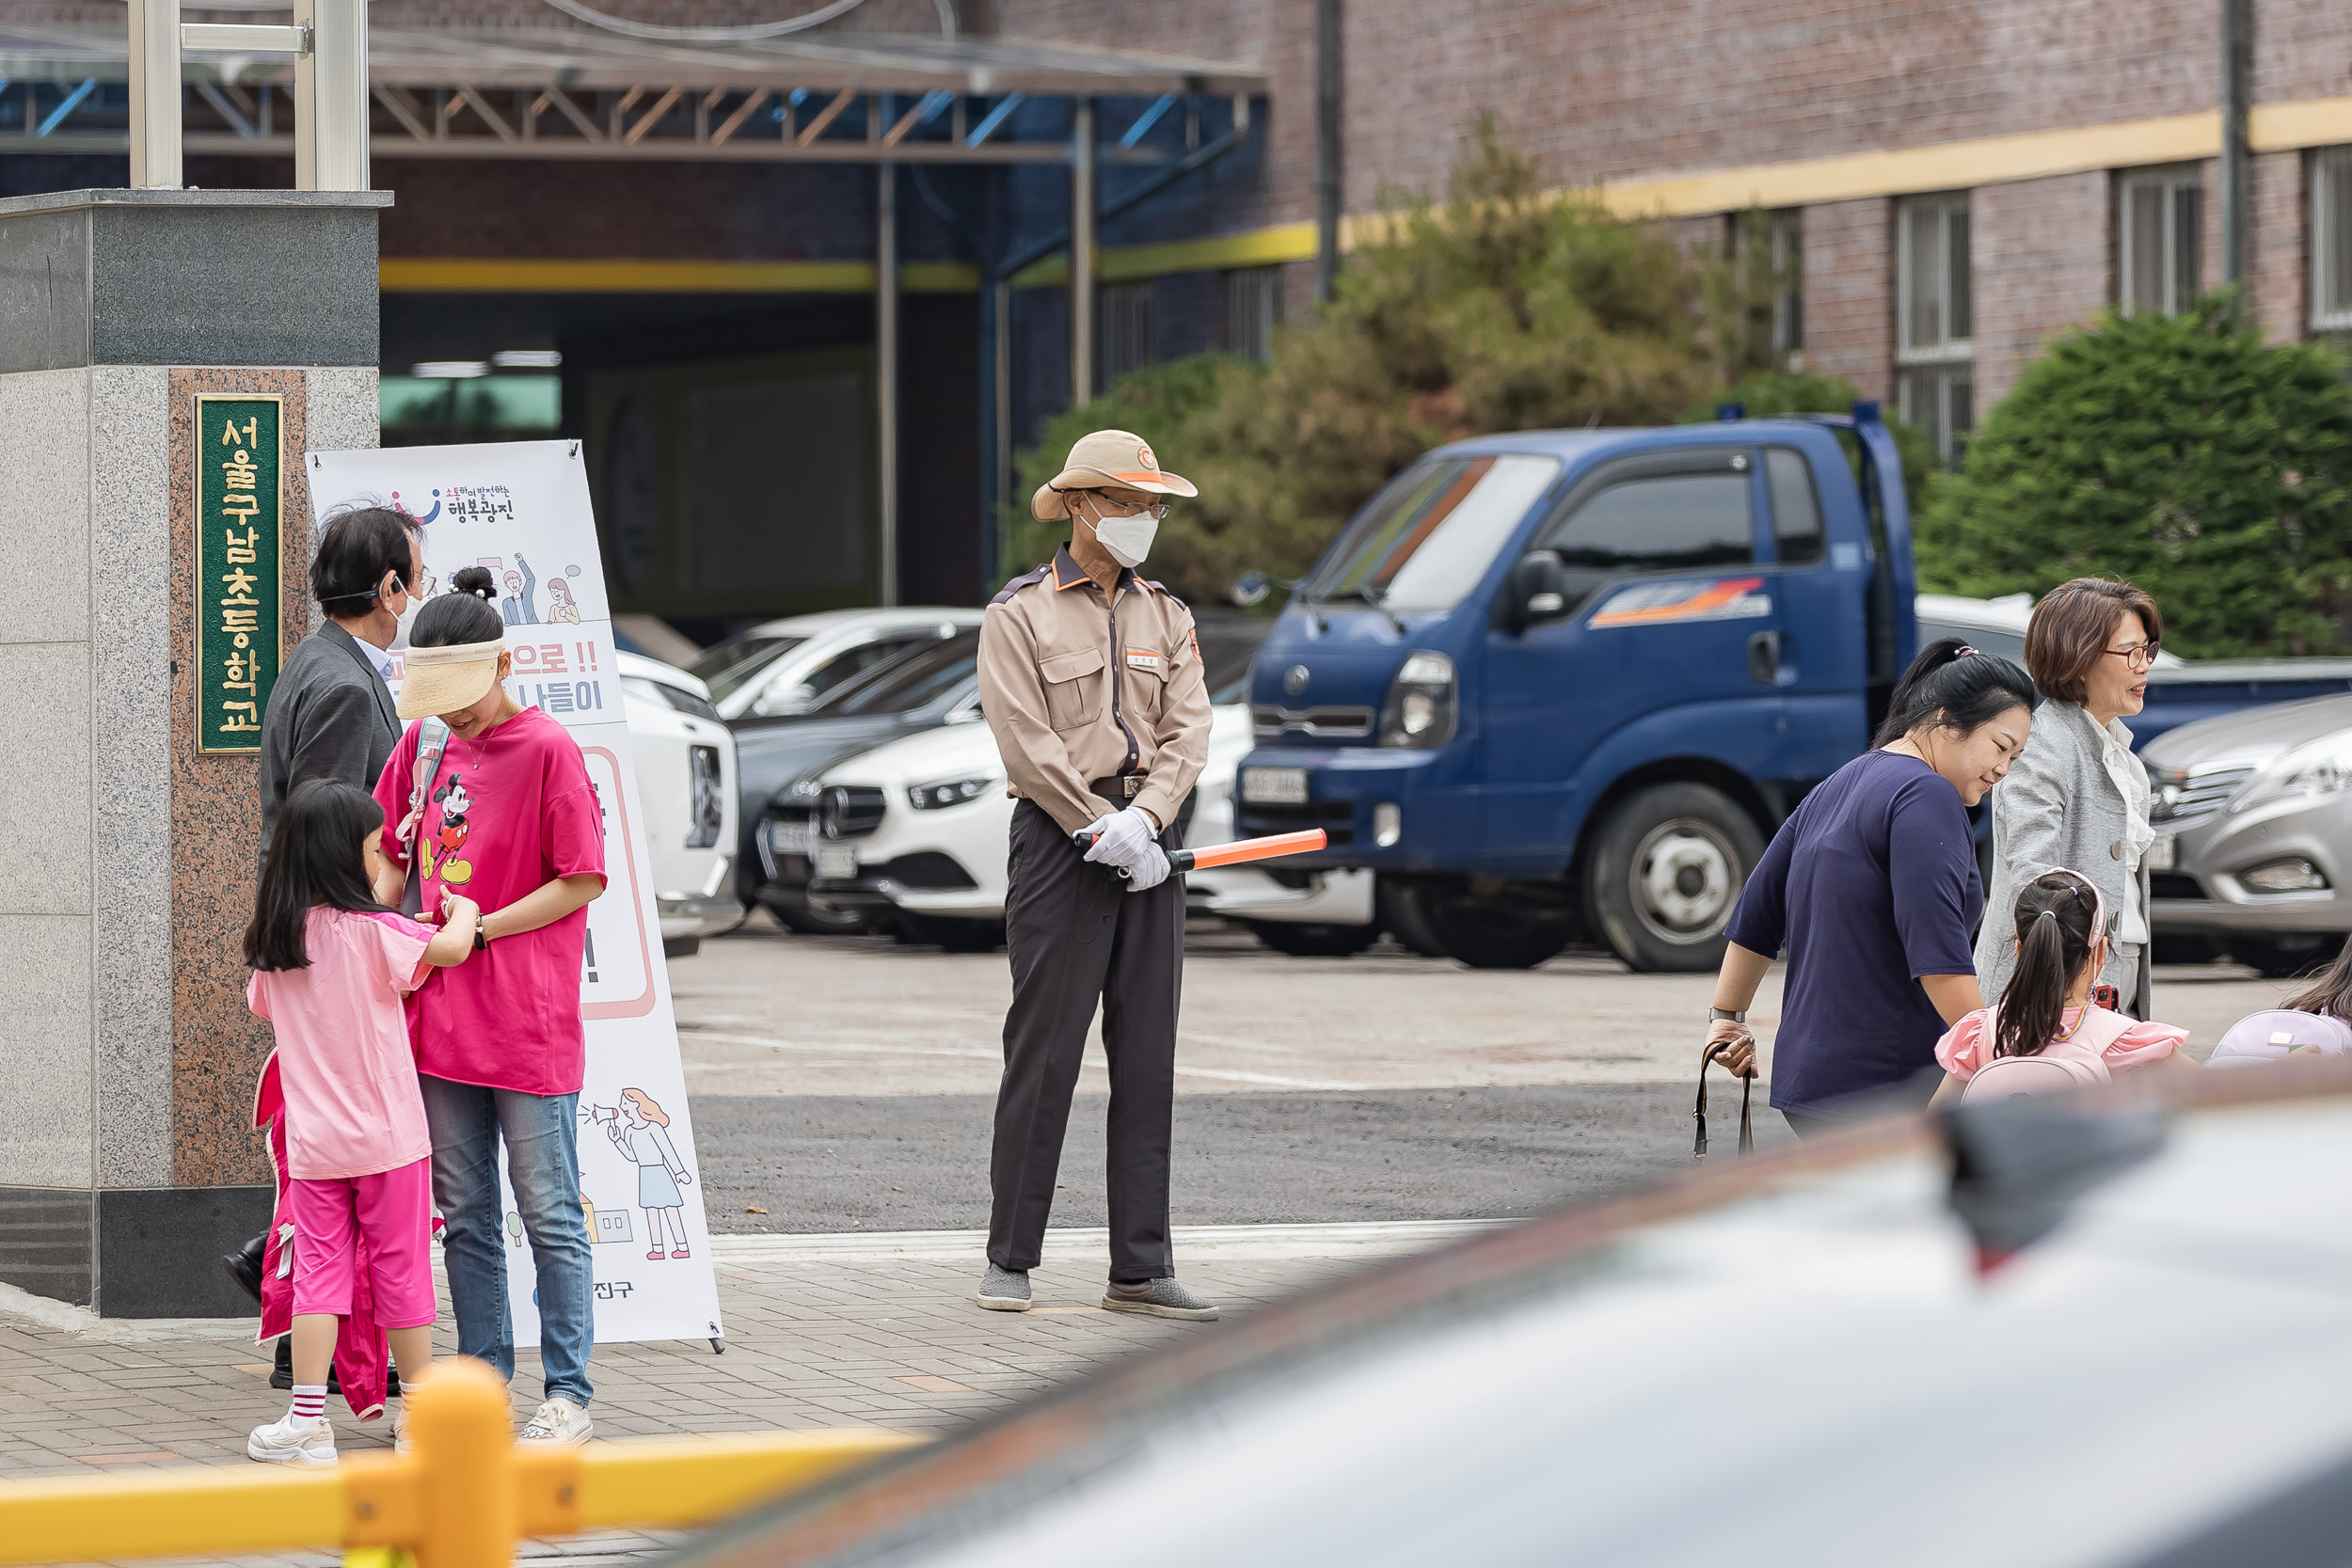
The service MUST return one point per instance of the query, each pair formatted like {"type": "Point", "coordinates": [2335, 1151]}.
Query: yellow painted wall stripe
{"type": "Point", "coordinates": [1847, 177]}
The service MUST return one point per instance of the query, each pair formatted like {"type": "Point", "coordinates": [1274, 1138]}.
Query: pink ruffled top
{"type": "Point", "coordinates": [2108, 1041]}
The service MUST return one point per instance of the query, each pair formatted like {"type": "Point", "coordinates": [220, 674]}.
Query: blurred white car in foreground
{"type": "Point", "coordinates": [919, 826]}
{"type": "Point", "coordinates": [686, 778]}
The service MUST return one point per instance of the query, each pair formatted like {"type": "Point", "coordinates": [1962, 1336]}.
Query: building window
{"type": "Point", "coordinates": [1125, 332]}
{"type": "Point", "coordinates": [1934, 320]}
{"type": "Point", "coordinates": [2331, 240]}
{"type": "Point", "coordinates": [2160, 229]}
{"type": "Point", "coordinates": [1776, 303]}
{"type": "Point", "coordinates": [1253, 303]}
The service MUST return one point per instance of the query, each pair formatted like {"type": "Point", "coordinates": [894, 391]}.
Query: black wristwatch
{"type": "Point", "coordinates": [1716, 1015]}
{"type": "Point", "coordinates": [481, 943]}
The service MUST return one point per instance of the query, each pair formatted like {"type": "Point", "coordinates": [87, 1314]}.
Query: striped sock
{"type": "Point", "coordinates": [310, 1401]}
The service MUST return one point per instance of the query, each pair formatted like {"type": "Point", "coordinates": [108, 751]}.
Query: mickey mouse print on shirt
{"type": "Point", "coordinates": [450, 836]}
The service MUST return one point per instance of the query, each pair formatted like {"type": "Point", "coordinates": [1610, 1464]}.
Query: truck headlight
{"type": "Point", "coordinates": [2322, 767]}
{"type": "Point", "coordinates": [1423, 704]}
{"type": "Point", "coordinates": [954, 792]}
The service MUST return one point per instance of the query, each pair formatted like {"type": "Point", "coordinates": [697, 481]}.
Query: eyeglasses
{"type": "Point", "coordinates": [1156, 510]}
{"type": "Point", "coordinates": [2140, 658]}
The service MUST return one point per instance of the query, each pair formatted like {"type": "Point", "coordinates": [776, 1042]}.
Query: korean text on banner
{"type": "Point", "coordinates": [521, 510]}
{"type": "Point", "coordinates": [238, 539]}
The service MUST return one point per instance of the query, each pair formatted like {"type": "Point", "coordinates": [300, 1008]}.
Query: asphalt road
{"type": "Point", "coordinates": [833, 1162]}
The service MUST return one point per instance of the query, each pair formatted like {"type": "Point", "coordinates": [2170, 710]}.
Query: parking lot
{"type": "Point", "coordinates": [846, 1083]}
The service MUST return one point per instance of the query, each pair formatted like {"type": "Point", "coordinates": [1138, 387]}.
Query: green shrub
{"type": "Point", "coordinates": [1502, 310]}
{"type": "Point", "coordinates": [2179, 452]}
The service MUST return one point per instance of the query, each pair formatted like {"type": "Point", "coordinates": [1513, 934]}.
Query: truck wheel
{"type": "Point", "coordinates": [1667, 866]}
{"type": "Point", "coordinates": [1303, 940]}
{"type": "Point", "coordinates": [1494, 936]}
{"type": "Point", "coordinates": [2286, 955]}
{"type": "Point", "coordinates": [1397, 908]}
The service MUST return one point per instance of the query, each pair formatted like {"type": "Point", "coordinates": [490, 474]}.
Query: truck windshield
{"type": "Point", "coordinates": [1426, 540]}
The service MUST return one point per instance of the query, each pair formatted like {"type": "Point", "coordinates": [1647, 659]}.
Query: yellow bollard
{"type": "Point", "coordinates": [464, 1445]}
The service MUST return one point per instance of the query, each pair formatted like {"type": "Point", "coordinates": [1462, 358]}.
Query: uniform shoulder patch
{"type": "Point", "coordinates": [1025, 579]}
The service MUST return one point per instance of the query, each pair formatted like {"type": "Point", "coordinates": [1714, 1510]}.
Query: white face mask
{"type": "Point", "coordinates": [1128, 539]}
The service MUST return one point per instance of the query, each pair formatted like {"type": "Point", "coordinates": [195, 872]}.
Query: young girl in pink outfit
{"type": "Point", "coordinates": [330, 965]}
{"type": "Point", "coordinates": [2048, 1032]}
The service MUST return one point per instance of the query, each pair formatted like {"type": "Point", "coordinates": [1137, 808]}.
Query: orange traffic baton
{"type": "Point", "coordinates": [1241, 852]}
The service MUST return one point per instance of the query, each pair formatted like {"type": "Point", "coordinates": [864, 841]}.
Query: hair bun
{"type": "Point", "coordinates": [473, 580]}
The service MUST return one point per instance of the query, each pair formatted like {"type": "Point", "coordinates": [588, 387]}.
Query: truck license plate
{"type": "Point", "coordinates": [836, 862]}
{"type": "Point", "coordinates": [1274, 786]}
{"type": "Point", "coordinates": [2165, 853]}
{"type": "Point", "coordinates": [792, 838]}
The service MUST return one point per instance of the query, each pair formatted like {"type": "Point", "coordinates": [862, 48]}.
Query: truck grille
{"type": "Point", "coordinates": [2182, 795]}
{"type": "Point", "coordinates": [849, 811]}
{"type": "Point", "coordinates": [1319, 723]}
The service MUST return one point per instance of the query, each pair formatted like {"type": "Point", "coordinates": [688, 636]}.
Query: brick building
{"type": "Point", "coordinates": [1952, 180]}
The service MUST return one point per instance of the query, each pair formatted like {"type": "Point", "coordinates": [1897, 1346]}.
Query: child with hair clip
{"type": "Point", "coordinates": [2049, 1033]}
{"type": "Point", "coordinates": [332, 964]}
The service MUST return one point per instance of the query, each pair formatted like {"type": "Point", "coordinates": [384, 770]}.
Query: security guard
{"type": "Point", "coordinates": [1091, 679]}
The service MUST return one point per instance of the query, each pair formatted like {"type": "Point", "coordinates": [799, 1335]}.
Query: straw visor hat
{"type": "Point", "coordinates": [1108, 459]}
{"type": "Point", "coordinates": [442, 680]}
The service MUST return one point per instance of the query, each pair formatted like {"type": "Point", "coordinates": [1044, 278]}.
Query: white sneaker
{"type": "Point", "coordinates": [399, 1427]}
{"type": "Point", "coordinates": [309, 1444]}
{"type": "Point", "coordinates": [557, 1421]}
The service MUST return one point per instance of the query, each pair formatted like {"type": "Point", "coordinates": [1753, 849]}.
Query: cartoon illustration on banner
{"type": "Point", "coordinates": [521, 510]}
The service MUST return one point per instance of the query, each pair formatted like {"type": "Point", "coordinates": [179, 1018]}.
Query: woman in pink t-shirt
{"type": "Point", "coordinates": [330, 965]}
{"type": "Point", "coordinates": [507, 818]}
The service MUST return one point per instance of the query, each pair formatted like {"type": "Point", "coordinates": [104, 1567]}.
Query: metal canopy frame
{"type": "Point", "coordinates": [512, 94]}
{"type": "Point", "coordinates": [516, 95]}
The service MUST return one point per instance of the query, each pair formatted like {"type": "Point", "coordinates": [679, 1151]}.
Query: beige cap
{"type": "Point", "coordinates": [1108, 459]}
{"type": "Point", "coordinates": [442, 680]}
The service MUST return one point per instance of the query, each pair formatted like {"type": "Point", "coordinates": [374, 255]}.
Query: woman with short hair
{"type": "Point", "coordinates": [2078, 796]}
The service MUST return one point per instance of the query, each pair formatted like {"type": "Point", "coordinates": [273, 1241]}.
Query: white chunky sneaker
{"type": "Point", "coordinates": [558, 1421]}
{"type": "Point", "coordinates": [1005, 1289]}
{"type": "Point", "coordinates": [307, 1444]}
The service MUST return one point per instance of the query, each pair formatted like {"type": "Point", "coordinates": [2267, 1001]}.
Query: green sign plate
{"type": "Point", "coordinates": [239, 535]}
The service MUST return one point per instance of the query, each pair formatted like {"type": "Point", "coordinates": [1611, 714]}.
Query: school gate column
{"type": "Point", "coordinates": [166, 357]}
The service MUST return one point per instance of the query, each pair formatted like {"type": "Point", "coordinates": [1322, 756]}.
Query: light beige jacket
{"type": "Point", "coordinates": [1079, 688]}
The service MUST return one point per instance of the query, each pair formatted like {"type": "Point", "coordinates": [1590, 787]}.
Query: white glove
{"type": "Point", "coordinates": [1150, 870]}
{"type": "Point", "coordinates": [1121, 838]}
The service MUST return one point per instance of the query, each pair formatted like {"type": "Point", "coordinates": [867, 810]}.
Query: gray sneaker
{"type": "Point", "coordinates": [1161, 1298]}
{"type": "Point", "coordinates": [1004, 1291]}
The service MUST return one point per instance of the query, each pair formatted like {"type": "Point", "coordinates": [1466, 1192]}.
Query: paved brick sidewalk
{"type": "Point", "coordinates": [821, 1331]}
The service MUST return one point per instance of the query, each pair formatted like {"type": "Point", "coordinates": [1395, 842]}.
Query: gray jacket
{"type": "Point", "coordinates": [2061, 806]}
{"type": "Point", "coordinates": [329, 716]}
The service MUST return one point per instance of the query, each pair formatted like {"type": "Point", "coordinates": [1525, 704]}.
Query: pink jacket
{"type": "Point", "coordinates": [360, 1354]}
{"type": "Point", "coordinates": [2103, 1044]}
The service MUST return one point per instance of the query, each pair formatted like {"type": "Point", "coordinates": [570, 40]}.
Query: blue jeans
{"type": "Point", "coordinates": [543, 1163]}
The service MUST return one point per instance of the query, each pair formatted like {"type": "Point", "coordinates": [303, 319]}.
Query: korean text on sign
{"type": "Point", "coordinates": [238, 537]}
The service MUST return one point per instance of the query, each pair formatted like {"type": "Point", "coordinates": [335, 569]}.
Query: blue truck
{"type": "Point", "coordinates": [1561, 686]}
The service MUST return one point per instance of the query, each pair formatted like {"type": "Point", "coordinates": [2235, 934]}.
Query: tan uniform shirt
{"type": "Point", "coordinates": [1077, 689]}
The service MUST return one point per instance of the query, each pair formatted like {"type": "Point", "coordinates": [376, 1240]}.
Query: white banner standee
{"type": "Point", "coordinates": [521, 509]}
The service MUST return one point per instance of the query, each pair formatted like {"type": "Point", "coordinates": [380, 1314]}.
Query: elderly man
{"type": "Point", "coordinates": [330, 716]}
{"type": "Point", "coordinates": [1091, 678]}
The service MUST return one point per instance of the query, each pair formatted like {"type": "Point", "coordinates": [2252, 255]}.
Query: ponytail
{"type": "Point", "coordinates": [1953, 686]}
{"type": "Point", "coordinates": [2053, 918]}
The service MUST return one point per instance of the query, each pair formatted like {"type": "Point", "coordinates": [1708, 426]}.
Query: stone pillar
{"type": "Point", "coordinates": [126, 855]}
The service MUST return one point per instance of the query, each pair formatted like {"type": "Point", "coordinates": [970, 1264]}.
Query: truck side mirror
{"type": "Point", "coordinates": [1538, 589]}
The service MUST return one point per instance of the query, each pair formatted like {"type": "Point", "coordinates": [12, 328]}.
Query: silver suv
{"type": "Point", "coordinates": [2254, 820]}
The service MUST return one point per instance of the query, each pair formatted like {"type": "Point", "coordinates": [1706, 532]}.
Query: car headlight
{"type": "Point", "coordinates": [955, 792]}
{"type": "Point", "coordinates": [2322, 767]}
{"type": "Point", "coordinates": [1422, 705]}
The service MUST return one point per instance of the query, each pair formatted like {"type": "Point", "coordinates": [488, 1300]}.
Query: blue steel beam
{"type": "Point", "coordinates": [1149, 118]}
{"type": "Point", "coordinates": [996, 116]}
{"type": "Point", "coordinates": [72, 101]}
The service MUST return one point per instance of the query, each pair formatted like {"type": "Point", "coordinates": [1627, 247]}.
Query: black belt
{"type": "Point", "coordinates": [1121, 788]}
{"type": "Point", "coordinates": [1748, 1132]}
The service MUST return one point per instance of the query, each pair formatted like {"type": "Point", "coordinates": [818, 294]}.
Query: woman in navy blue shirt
{"type": "Point", "coordinates": [1871, 888]}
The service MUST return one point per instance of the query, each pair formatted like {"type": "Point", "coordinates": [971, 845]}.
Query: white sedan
{"type": "Point", "coordinates": [686, 778]}
{"type": "Point", "coordinates": [920, 825]}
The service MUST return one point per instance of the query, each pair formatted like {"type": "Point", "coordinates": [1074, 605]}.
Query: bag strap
{"type": "Point", "coordinates": [432, 740]}
{"type": "Point", "coordinates": [1698, 1113]}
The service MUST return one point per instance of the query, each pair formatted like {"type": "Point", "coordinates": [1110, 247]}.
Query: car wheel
{"type": "Point", "coordinates": [955, 935]}
{"type": "Point", "coordinates": [797, 915]}
{"type": "Point", "coordinates": [2283, 956]}
{"type": "Point", "coordinates": [2182, 947]}
{"type": "Point", "coordinates": [1665, 873]}
{"type": "Point", "coordinates": [1301, 940]}
{"type": "Point", "coordinates": [1397, 909]}
{"type": "Point", "coordinates": [1481, 933]}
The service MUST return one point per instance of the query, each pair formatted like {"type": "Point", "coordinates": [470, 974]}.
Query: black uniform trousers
{"type": "Point", "coordinates": [1077, 935]}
